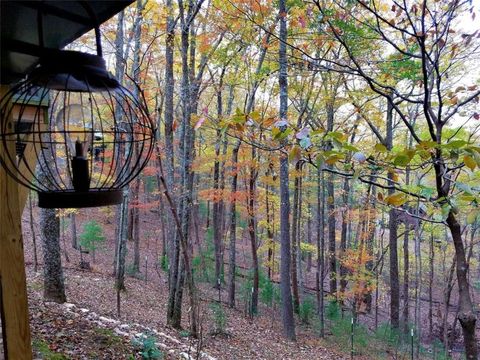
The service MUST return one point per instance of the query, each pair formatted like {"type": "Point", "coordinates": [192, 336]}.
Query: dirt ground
{"type": "Point", "coordinates": [143, 306]}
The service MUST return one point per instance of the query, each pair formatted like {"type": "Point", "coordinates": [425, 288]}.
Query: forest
{"type": "Point", "coordinates": [313, 190]}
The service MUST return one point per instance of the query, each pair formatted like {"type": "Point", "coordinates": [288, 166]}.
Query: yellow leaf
{"type": "Point", "coordinates": [332, 160]}
{"type": "Point", "coordinates": [294, 154]}
{"type": "Point", "coordinates": [468, 160]}
{"type": "Point", "coordinates": [269, 121]}
{"type": "Point", "coordinates": [380, 147]}
{"type": "Point", "coordinates": [254, 115]}
{"type": "Point", "coordinates": [397, 199]}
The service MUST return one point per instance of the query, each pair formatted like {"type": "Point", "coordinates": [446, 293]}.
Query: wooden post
{"type": "Point", "coordinates": [13, 290]}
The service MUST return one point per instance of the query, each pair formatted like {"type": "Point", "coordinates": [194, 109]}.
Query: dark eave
{"type": "Point", "coordinates": [63, 22]}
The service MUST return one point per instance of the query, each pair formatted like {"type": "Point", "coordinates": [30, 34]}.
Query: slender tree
{"type": "Point", "coordinates": [287, 307]}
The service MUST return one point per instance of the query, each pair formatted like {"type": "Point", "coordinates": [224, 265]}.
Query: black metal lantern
{"type": "Point", "coordinates": [95, 137]}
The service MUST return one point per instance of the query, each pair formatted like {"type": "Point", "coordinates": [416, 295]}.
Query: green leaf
{"type": "Point", "coordinates": [356, 174]}
{"type": "Point", "coordinates": [465, 188]}
{"type": "Point", "coordinates": [337, 135]}
{"type": "Point", "coordinates": [456, 144]}
{"type": "Point", "coordinates": [305, 143]}
{"type": "Point", "coordinates": [427, 192]}
{"type": "Point", "coordinates": [380, 147]}
{"type": "Point", "coordinates": [254, 115]}
{"type": "Point", "coordinates": [320, 161]}
{"type": "Point", "coordinates": [472, 217]}
{"type": "Point", "coordinates": [283, 134]}
{"type": "Point", "coordinates": [350, 148]}
{"type": "Point", "coordinates": [446, 210]}
{"type": "Point", "coordinates": [401, 160]}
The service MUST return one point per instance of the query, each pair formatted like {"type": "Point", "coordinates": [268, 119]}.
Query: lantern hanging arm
{"type": "Point", "coordinates": [55, 64]}
{"type": "Point", "coordinates": [91, 135]}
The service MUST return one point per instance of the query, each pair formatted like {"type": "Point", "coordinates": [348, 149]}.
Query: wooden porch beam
{"type": "Point", "coordinates": [13, 287]}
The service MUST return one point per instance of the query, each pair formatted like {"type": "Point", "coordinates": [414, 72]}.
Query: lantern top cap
{"type": "Point", "coordinates": [73, 71]}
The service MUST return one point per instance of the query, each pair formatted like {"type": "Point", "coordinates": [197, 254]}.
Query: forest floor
{"type": "Point", "coordinates": [87, 327]}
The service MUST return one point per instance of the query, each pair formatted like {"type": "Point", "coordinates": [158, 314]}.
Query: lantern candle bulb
{"type": "Point", "coordinates": [80, 174]}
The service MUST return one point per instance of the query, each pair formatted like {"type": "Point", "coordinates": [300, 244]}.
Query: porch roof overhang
{"type": "Point", "coordinates": [63, 22]}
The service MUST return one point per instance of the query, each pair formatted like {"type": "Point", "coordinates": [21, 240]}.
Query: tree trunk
{"type": "Point", "coordinates": [119, 74]}
{"type": "Point", "coordinates": [393, 230]}
{"type": "Point", "coordinates": [54, 287]}
{"type": "Point", "coordinates": [287, 308]}
{"type": "Point", "coordinates": [406, 269]}
{"type": "Point", "coordinates": [418, 280]}
{"type": "Point", "coordinates": [32, 229]}
{"type": "Point", "coordinates": [137, 29]}
{"type": "Point", "coordinates": [332, 256]}
{"type": "Point", "coordinates": [233, 228]}
{"type": "Point", "coordinates": [182, 266]}
{"type": "Point", "coordinates": [136, 226]}
{"type": "Point", "coordinates": [168, 120]}
{"type": "Point", "coordinates": [270, 227]}
{"type": "Point", "coordinates": [252, 231]}
{"type": "Point", "coordinates": [121, 248]}
{"type": "Point", "coordinates": [309, 238]}
{"type": "Point", "coordinates": [320, 248]}
{"type": "Point", "coordinates": [53, 280]}
{"type": "Point", "coordinates": [430, 285]}
{"type": "Point", "coordinates": [73, 228]}
{"type": "Point", "coordinates": [406, 265]}
{"type": "Point", "coordinates": [296, 297]}
{"type": "Point", "coordinates": [466, 314]}
{"type": "Point", "coordinates": [299, 236]}
{"type": "Point", "coordinates": [217, 239]}
{"type": "Point", "coordinates": [343, 237]}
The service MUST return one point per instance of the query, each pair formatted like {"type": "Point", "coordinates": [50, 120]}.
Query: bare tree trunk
{"type": "Point", "coordinates": [466, 314]}
{"type": "Point", "coordinates": [418, 280]}
{"type": "Point", "coordinates": [121, 248]}
{"type": "Point", "coordinates": [320, 248]}
{"type": "Point", "coordinates": [137, 29]}
{"type": "Point", "coordinates": [135, 226]}
{"type": "Point", "coordinates": [182, 267]}
{"type": "Point", "coordinates": [252, 231]}
{"type": "Point", "coordinates": [270, 229]}
{"type": "Point", "coordinates": [406, 269]}
{"type": "Point", "coordinates": [168, 119]}
{"type": "Point", "coordinates": [53, 288]}
{"type": "Point", "coordinates": [309, 237]}
{"type": "Point", "coordinates": [343, 236]}
{"type": "Point", "coordinates": [332, 255]}
{"type": "Point", "coordinates": [233, 229]}
{"type": "Point", "coordinates": [32, 229]}
{"type": "Point", "coordinates": [120, 227]}
{"type": "Point", "coordinates": [216, 223]}
{"type": "Point", "coordinates": [378, 272]}
{"type": "Point", "coordinates": [393, 229]}
{"type": "Point", "coordinates": [53, 279]}
{"type": "Point", "coordinates": [73, 229]}
{"type": "Point", "coordinates": [299, 236]}
{"type": "Point", "coordinates": [287, 308]}
{"type": "Point", "coordinates": [446, 302]}
{"type": "Point", "coordinates": [430, 285]}
{"type": "Point", "coordinates": [406, 266]}
{"type": "Point", "coordinates": [296, 297]}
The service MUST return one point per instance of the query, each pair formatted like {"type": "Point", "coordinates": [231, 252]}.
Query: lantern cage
{"type": "Point", "coordinates": [91, 135]}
